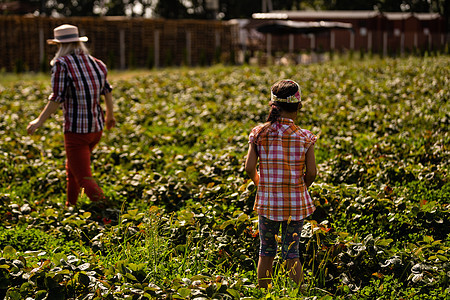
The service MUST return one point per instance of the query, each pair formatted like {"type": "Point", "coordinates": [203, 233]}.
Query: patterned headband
{"type": "Point", "coordinates": [297, 97]}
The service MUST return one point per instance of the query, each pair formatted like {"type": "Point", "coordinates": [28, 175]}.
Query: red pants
{"type": "Point", "coordinates": [79, 147]}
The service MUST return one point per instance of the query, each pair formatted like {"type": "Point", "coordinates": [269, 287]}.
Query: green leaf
{"type": "Point", "coordinates": [50, 282]}
{"type": "Point", "coordinates": [57, 258]}
{"type": "Point", "coordinates": [86, 215]}
{"type": "Point", "coordinates": [235, 294]}
{"type": "Point", "coordinates": [50, 212]}
{"type": "Point", "coordinates": [226, 223]}
{"type": "Point", "coordinates": [9, 252]}
{"type": "Point", "coordinates": [242, 218]}
{"type": "Point", "coordinates": [384, 242]}
{"type": "Point", "coordinates": [130, 276]}
{"type": "Point", "coordinates": [133, 212]}
{"type": "Point", "coordinates": [82, 278]}
{"type": "Point", "coordinates": [437, 242]}
{"type": "Point", "coordinates": [41, 294]}
{"type": "Point", "coordinates": [428, 239]}
{"type": "Point", "coordinates": [14, 295]}
{"type": "Point", "coordinates": [442, 257]}
{"type": "Point", "coordinates": [184, 292]}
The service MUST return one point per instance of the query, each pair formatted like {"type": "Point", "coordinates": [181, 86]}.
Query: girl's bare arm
{"type": "Point", "coordinates": [250, 164]}
{"type": "Point", "coordinates": [311, 169]}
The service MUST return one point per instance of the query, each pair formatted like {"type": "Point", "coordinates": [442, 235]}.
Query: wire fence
{"type": "Point", "coordinates": [122, 43]}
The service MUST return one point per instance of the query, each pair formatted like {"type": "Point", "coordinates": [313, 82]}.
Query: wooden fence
{"type": "Point", "coordinates": [120, 42]}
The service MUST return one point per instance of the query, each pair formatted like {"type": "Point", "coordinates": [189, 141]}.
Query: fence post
{"type": "Point", "coordinates": [312, 43]}
{"type": "Point", "coordinates": [416, 41]}
{"type": "Point", "coordinates": [217, 39]}
{"type": "Point", "coordinates": [291, 43]}
{"type": "Point", "coordinates": [41, 46]}
{"type": "Point", "coordinates": [269, 44]}
{"type": "Point", "coordinates": [218, 46]}
{"type": "Point", "coordinates": [188, 48]}
{"type": "Point", "coordinates": [352, 40]}
{"type": "Point", "coordinates": [332, 41]}
{"type": "Point", "coordinates": [156, 47]}
{"type": "Point", "coordinates": [122, 48]}
{"type": "Point", "coordinates": [427, 33]}
{"type": "Point", "coordinates": [402, 44]}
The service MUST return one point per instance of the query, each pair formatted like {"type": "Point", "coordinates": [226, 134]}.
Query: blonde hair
{"type": "Point", "coordinates": [69, 48]}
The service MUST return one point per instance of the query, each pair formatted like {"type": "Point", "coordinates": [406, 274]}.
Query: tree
{"type": "Point", "coordinates": [171, 9]}
{"type": "Point", "coordinates": [9, 7]}
{"type": "Point", "coordinates": [196, 9]}
{"type": "Point", "coordinates": [237, 9]}
{"type": "Point", "coordinates": [353, 5]}
{"type": "Point", "coordinates": [70, 8]}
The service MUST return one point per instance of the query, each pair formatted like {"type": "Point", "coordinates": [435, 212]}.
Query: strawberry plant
{"type": "Point", "coordinates": [181, 223]}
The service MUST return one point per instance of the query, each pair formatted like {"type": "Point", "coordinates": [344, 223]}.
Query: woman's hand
{"type": "Point", "coordinates": [48, 110]}
{"type": "Point", "coordinates": [110, 121]}
{"type": "Point", "coordinates": [34, 125]}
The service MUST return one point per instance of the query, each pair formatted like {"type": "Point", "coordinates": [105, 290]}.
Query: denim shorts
{"type": "Point", "coordinates": [290, 235]}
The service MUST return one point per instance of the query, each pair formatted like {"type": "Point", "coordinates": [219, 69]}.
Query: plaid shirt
{"type": "Point", "coordinates": [78, 80]}
{"type": "Point", "coordinates": [281, 151]}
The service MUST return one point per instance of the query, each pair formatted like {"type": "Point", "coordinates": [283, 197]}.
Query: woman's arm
{"type": "Point", "coordinates": [110, 120]}
{"type": "Point", "coordinates": [311, 169]}
{"type": "Point", "coordinates": [49, 109]}
{"type": "Point", "coordinates": [250, 164]}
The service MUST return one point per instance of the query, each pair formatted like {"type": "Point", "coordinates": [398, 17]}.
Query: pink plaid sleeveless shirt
{"type": "Point", "coordinates": [282, 191]}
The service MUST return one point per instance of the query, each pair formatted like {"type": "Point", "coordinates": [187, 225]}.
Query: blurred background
{"type": "Point", "coordinates": [129, 34]}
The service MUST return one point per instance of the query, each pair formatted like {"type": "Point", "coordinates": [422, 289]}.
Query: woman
{"type": "Point", "coordinates": [78, 81]}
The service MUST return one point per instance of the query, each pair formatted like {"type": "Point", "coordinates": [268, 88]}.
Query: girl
{"type": "Point", "coordinates": [287, 166]}
{"type": "Point", "coordinates": [78, 81]}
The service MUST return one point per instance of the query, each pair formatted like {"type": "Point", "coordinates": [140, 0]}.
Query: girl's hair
{"type": "Point", "coordinates": [68, 48]}
{"type": "Point", "coordinates": [282, 89]}
{"type": "Point", "coordinates": [277, 107]}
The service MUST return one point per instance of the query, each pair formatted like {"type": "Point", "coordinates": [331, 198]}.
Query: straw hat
{"type": "Point", "coordinates": [66, 34]}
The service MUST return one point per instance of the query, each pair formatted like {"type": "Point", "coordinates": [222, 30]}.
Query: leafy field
{"type": "Point", "coordinates": [183, 227]}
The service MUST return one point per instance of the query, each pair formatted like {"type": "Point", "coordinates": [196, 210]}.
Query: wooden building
{"type": "Point", "coordinates": [386, 33]}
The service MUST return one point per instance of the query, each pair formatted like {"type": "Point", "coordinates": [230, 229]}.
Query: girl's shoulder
{"type": "Point", "coordinates": [258, 127]}
{"type": "Point", "coordinates": [256, 131]}
{"type": "Point", "coordinates": [306, 134]}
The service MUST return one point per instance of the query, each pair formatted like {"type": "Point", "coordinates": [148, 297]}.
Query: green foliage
{"type": "Point", "coordinates": [23, 238]}
{"type": "Point", "coordinates": [182, 224]}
